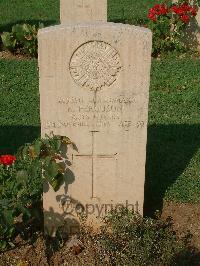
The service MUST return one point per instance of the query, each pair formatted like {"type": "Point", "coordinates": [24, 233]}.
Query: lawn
{"type": "Point", "coordinates": [47, 11]}
{"type": "Point", "coordinates": [173, 152]}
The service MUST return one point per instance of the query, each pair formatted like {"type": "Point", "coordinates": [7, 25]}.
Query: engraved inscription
{"type": "Point", "coordinates": [95, 65]}
{"type": "Point", "coordinates": [98, 113]}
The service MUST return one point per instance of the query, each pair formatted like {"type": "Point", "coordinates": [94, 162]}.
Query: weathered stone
{"type": "Point", "coordinates": [192, 37]}
{"type": "Point", "coordinates": [94, 88]}
{"type": "Point", "coordinates": [76, 11]}
{"type": "Point", "coordinates": [192, 33]}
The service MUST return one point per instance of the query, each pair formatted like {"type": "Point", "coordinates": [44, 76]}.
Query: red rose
{"type": "Point", "coordinates": [178, 10]}
{"type": "Point", "coordinates": [156, 6]}
{"type": "Point", "coordinates": [156, 11]}
{"type": "Point", "coordinates": [160, 9]}
{"type": "Point", "coordinates": [163, 9]}
{"type": "Point", "coordinates": [185, 7]}
{"type": "Point", "coordinates": [185, 19]}
{"type": "Point", "coordinates": [193, 11]}
{"type": "Point", "coordinates": [152, 10]}
{"type": "Point", "coordinates": [7, 159]}
{"type": "Point", "coordinates": [152, 16]}
{"type": "Point", "coordinates": [184, 10]}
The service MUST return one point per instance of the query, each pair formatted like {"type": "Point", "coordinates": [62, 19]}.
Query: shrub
{"type": "Point", "coordinates": [19, 190]}
{"type": "Point", "coordinates": [22, 38]}
{"type": "Point", "coordinates": [128, 239]}
{"type": "Point", "coordinates": [168, 23]}
{"type": "Point", "coordinates": [21, 182]}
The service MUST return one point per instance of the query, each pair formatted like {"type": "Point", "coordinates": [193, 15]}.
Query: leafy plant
{"type": "Point", "coordinates": [168, 23]}
{"type": "Point", "coordinates": [23, 38]}
{"type": "Point", "coordinates": [47, 155]}
{"type": "Point", "coordinates": [128, 239]}
{"type": "Point", "coordinates": [21, 182]}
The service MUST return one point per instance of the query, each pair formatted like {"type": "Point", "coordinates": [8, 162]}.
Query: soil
{"type": "Point", "coordinates": [186, 218]}
{"type": "Point", "coordinates": [39, 252]}
{"type": "Point", "coordinates": [25, 254]}
{"type": "Point", "coordinates": [9, 55]}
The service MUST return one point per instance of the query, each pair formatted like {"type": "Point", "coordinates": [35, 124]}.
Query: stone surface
{"type": "Point", "coordinates": [94, 88]}
{"type": "Point", "coordinates": [75, 11]}
{"type": "Point", "coordinates": [192, 34]}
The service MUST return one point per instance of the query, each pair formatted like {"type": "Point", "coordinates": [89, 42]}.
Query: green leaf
{"type": "Point", "coordinates": [11, 231]}
{"type": "Point", "coordinates": [51, 170]}
{"type": "Point", "coordinates": [11, 244]}
{"type": "Point", "coordinates": [8, 41]}
{"type": "Point", "coordinates": [18, 32]}
{"type": "Point", "coordinates": [8, 216]}
{"type": "Point", "coordinates": [37, 147]}
{"type": "Point", "coordinates": [23, 152]}
{"type": "Point", "coordinates": [3, 244]}
{"type": "Point", "coordinates": [26, 215]}
{"type": "Point", "coordinates": [27, 28]}
{"type": "Point", "coordinates": [21, 176]}
{"type": "Point", "coordinates": [57, 182]}
{"type": "Point", "coordinates": [55, 185]}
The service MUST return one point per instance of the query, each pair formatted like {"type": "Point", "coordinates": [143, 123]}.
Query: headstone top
{"type": "Point", "coordinates": [83, 11]}
{"type": "Point", "coordinates": [95, 24]}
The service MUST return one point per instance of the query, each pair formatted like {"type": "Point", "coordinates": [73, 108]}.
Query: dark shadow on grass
{"type": "Point", "coordinates": [189, 256]}
{"type": "Point", "coordinates": [8, 27]}
{"type": "Point", "coordinates": [12, 137]}
{"type": "Point", "coordinates": [169, 151]}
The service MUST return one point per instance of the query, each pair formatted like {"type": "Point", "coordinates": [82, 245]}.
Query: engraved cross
{"type": "Point", "coordinates": [82, 4]}
{"type": "Point", "coordinates": [93, 156]}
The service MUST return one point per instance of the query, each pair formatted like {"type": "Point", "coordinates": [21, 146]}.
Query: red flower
{"type": "Point", "coordinates": [152, 16]}
{"type": "Point", "coordinates": [184, 9]}
{"type": "Point", "coordinates": [193, 11]}
{"type": "Point", "coordinates": [178, 10]}
{"type": "Point", "coordinates": [163, 9]}
{"type": "Point", "coordinates": [156, 6]}
{"type": "Point", "coordinates": [156, 11]}
{"type": "Point", "coordinates": [7, 159]}
{"type": "Point", "coordinates": [185, 19]}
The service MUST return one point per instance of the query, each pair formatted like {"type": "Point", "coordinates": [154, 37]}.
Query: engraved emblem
{"type": "Point", "coordinates": [95, 65]}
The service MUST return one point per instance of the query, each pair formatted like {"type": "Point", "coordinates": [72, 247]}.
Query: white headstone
{"type": "Point", "coordinates": [94, 88]}
{"type": "Point", "coordinates": [76, 11]}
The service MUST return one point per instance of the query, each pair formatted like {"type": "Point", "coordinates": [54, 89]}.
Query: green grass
{"type": "Point", "coordinates": [175, 90]}
{"type": "Point", "coordinates": [173, 154]}
{"type": "Point", "coordinates": [19, 104]}
{"type": "Point", "coordinates": [129, 11]}
{"type": "Point", "coordinates": [47, 11]}
{"type": "Point", "coordinates": [31, 11]}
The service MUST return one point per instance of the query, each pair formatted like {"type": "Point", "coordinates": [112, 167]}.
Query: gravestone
{"type": "Point", "coordinates": [75, 11]}
{"type": "Point", "coordinates": [192, 33]}
{"type": "Point", "coordinates": [192, 37]}
{"type": "Point", "coordinates": [94, 88]}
